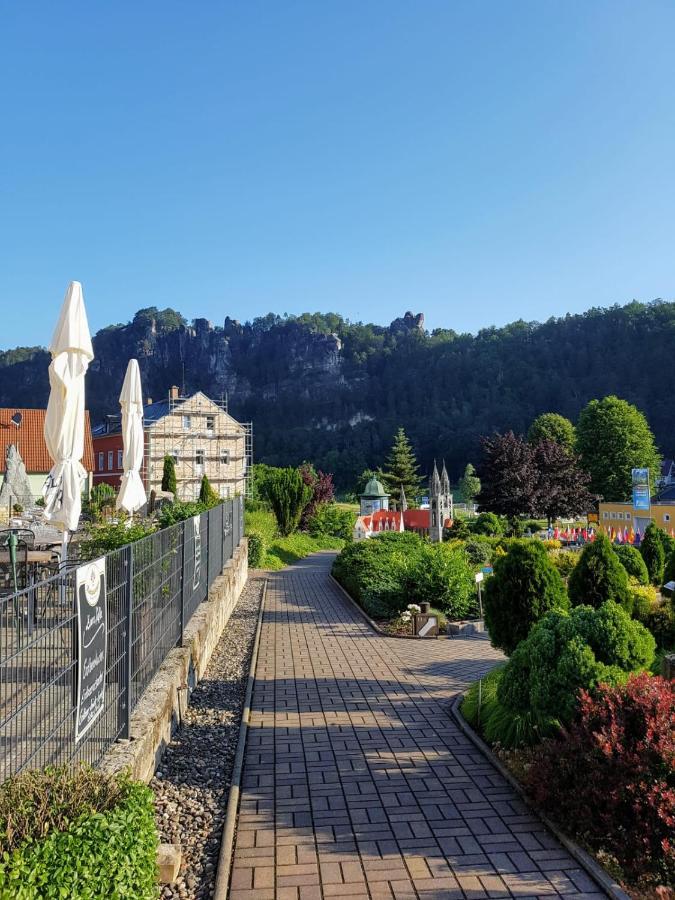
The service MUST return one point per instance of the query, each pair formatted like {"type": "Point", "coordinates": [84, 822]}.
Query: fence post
{"type": "Point", "coordinates": [127, 668]}
{"type": "Point", "coordinates": [208, 550]}
{"type": "Point", "coordinates": [182, 580]}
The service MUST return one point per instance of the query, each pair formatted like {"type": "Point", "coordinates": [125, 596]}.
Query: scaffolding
{"type": "Point", "coordinates": [203, 439]}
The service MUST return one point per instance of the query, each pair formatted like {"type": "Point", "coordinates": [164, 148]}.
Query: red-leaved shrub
{"type": "Point", "coordinates": [610, 778]}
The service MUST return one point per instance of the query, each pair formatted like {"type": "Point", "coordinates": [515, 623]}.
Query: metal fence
{"type": "Point", "coordinates": [153, 588]}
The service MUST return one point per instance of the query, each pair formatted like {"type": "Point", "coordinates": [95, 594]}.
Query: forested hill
{"type": "Point", "coordinates": [320, 388]}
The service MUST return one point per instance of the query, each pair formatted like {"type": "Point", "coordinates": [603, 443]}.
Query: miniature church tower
{"type": "Point", "coordinates": [440, 502]}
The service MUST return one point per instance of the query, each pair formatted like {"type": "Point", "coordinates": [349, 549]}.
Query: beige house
{"type": "Point", "coordinates": [197, 432]}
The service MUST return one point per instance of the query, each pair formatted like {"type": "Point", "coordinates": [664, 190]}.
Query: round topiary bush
{"type": "Point", "coordinates": [445, 580]}
{"type": "Point", "coordinates": [651, 548]}
{"type": "Point", "coordinates": [567, 652]}
{"type": "Point", "coordinates": [599, 576]}
{"type": "Point", "coordinates": [632, 561]}
{"type": "Point", "coordinates": [524, 586]}
{"type": "Point", "coordinates": [489, 524]}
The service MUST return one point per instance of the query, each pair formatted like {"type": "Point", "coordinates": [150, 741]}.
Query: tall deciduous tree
{"type": "Point", "coordinates": [613, 437]}
{"type": "Point", "coordinates": [321, 484]}
{"type": "Point", "coordinates": [169, 475]}
{"type": "Point", "coordinates": [469, 484]}
{"type": "Point", "coordinates": [508, 476]}
{"type": "Point", "coordinates": [562, 486]}
{"type": "Point", "coordinates": [552, 427]}
{"type": "Point", "coordinates": [401, 470]}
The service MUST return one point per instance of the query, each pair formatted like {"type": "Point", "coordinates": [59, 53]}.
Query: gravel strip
{"type": "Point", "coordinates": [192, 783]}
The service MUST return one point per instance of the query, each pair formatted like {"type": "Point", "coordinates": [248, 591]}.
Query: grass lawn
{"type": "Point", "coordinates": [283, 551]}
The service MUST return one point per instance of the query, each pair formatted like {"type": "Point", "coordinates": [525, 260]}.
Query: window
{"type": "Point", "coordinates": [225, 457]}
{"type": "Point", "coordinates": [101, 457]}
{"type": "Point", "coordinates": [119, 459]}
{"type": "Point", "coordinates": [199, 458]}
{"type": "Point", "coordinates": [619, 515]}
{"type": "Point", "coordinates": [628, 515]}
{"type": "Point", "coordinates": [666, 517]}
{"type": "Point", "coordinates": [605, 515]}
{"type": "Point", "coordinates": [187, 422]}
{"type": "Point", "coordinates": [110, 460]}
{"type": "Point", "coordinates": [174, 455]}
{"type": "Point", "coordinates": [612, 515]}
{"type": "Point", "coordinates": [210, 423]}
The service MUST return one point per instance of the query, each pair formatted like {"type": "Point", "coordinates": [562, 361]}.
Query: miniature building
{"type": "Point", "coordinates": [197, 432]}
{"type": "Point", "coordinates": [429, 523]}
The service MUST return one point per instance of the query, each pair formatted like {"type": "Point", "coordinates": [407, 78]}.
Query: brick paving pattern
{"type": "Point", "coordinates": [358, 784]}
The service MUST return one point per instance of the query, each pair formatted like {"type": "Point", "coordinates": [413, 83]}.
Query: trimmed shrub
{"type": "Point", "coordinates": [288, 495]}
{"type": "Point", "coordinates": [479, 550]}
{"type": "Point", "coordinates": [207, 495]}
{"type": "Point", "coordinates": [610, 778]}
{"type": "Point", "coordinates": [256, 549]}
{"type": "Point", "coordinates": [179, 511]}
{"type": "Point", "coordinates": [445, 580]}
{"type": "Point", "coordinates": [489, 524]}
{"type": "Point", "coordinates": [651, 548]}
{"type": "Point", "coordinates": [101, 539]}
{"type": "Point", "coordinates": [599, 576]}
{"type": "Point", "coordinates": [661, 623]}
{"type": "Point", "coordinates": [524, 587]}
{"type": "Point", "coordinates": [632, 561]}
{"type": "Point", "coordinates": [77, 834]}
{"type": "Point", "coordinates": [378, 572]}
{"type": "Point", "coordinates": [169, 475]}
{"type": "Point", "coordinates": [565, 561]}
{"type": "Point", "coordinates": [565, 653]}
{"type": "Point", "coordinates": [644, 599]}
{"type": "Point", "coordinates": [459, 530]}
{"type": "Point", "coordinates": [483, 711]}
{"type": "Point", "coordinates": [329, 518]}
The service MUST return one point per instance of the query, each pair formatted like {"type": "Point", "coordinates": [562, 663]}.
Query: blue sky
{"type": "Point", "coordinates": [478, 161]}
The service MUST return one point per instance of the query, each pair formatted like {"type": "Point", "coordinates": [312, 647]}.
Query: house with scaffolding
{"type": "Point", "coordinates": [196, 431]}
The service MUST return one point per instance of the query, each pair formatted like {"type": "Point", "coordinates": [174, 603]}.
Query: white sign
{"type": "Point", "coordinates": [428, 626]}
{"type": "Point", "coordinates": [92, 640]}
{"type": "Point", "coordinates": [479, 577]}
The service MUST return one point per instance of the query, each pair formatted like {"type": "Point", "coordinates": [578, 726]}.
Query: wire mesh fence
{"type": "Point", "coordinates": [153, 588]}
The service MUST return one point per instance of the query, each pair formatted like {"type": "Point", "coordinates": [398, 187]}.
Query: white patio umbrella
{"type": "Point", "coordinates": [132, 493]}
{"type": "Point", "coordinates": [64, 423]}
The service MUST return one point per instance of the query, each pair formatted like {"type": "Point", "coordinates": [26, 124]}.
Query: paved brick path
{"type": "Point", "coordinates": [358, 784]}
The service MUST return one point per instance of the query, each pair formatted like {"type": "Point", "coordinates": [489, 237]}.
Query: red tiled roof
{"type": "Point", "coordinates": [30, 442]}
{"type": "Point", "coordinates": [416, 518]}
{"type": "Point", "coordinates": [384, 519]}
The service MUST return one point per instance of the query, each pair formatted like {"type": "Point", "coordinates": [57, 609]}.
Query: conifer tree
{"type": "Point", "coordinates": [402, 471]}
{"type": "Point", "coordinates": [469, 484]}
{"type": "Point", "coordinates": [206, 493]}
{"type": "Point", "coordinates": [169, 475]}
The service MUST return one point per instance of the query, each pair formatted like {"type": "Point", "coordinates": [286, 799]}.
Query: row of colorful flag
{"type": "Point", "coordinates": [578, 535]}
{"type": "Point", "coordinates": [616, 535]}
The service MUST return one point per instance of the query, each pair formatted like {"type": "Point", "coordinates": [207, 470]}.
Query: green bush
{"type": "Point", "coordinates": [178, 511]}
{"type": "Point", "coordinates": [565, 561]}
{"type": "Point", "coordinates": [256, 549]}
{"type": "Point", "coordinates": [565, 652]}
{"type": "Point", "coordinates": [378, 572]}
{"type": "Point", "coordinates": [77, 835]}
{"type": "Point", "coordinates": [288, 495]}
{"type": "Point", "coordinates": [102, 539]}
{"type": "Point", "coordinates": [207, 495]}
{"type": "Point", "coordinates": [651, 548]}
{"type": "Point", "coordinates": [329, 518]}
{"type": "Point", "coordinates": [459, 530]}
{"type": "Point", "coordinates": [599, 576]}
{"type": "Point", "coordinates": [661, 623]}
{"type": "Point", "coordinates": [479, 550]}
{"type": "Point", "coordinates": [524, 586]}
{"type": "Point", "coordinates": [643, 600]}
{"type": "Point", "coordinates": [632, 561]}
{"type": "Point", "coordinates": [489, 524]}
{"type": "Point", "coordinates": [445, 580]}
{"type": "Point", "coordinates": [669, 569]}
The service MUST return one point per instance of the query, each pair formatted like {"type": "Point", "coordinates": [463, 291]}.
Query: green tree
{"type": "Point", "coordinates": [651, 548]}
{"type": "Point", "coordinates": [599, 576]}
{"type": "Point", "coordinates": [469, 484]}
{"type": "Point", "coordinates": [524, 587]}
{"type": "Point", "coordinates": [206, 493]}
{"type": "Point", "coordinates": [401, 470]}
{"type": "Point", "coordinates": [632, 561]}
{"type": "Point", "coordinates": [613, 437]}
{"type": "Point", "coordinates": [169, 475]}
{"type": "Point", "coordinates": [552, 427]}
{"type": "Point", "coordinates": [288, 495]}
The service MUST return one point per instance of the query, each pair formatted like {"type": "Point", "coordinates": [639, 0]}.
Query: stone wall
{"type": "Point", "coordinates": [162, 706]}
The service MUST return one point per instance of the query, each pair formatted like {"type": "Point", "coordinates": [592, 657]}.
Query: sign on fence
{"type": "Point", "coordinates": [92, 631]}
{"type": "Point", "coordinates": [196, 523]}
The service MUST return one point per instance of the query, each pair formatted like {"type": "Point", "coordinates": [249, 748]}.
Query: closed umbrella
{"type": "Point", "coordinates": [132, 493]}
{"type": "Point", "coordinates": [71, 352]}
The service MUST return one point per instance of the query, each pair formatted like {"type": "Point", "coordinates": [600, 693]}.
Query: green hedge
{"type": "Point", "coordinates": [387, 572]}
{"type": "Point", "coordinates": [81, 836]}
{"type": "Point", "coordinates": [256, 549]}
